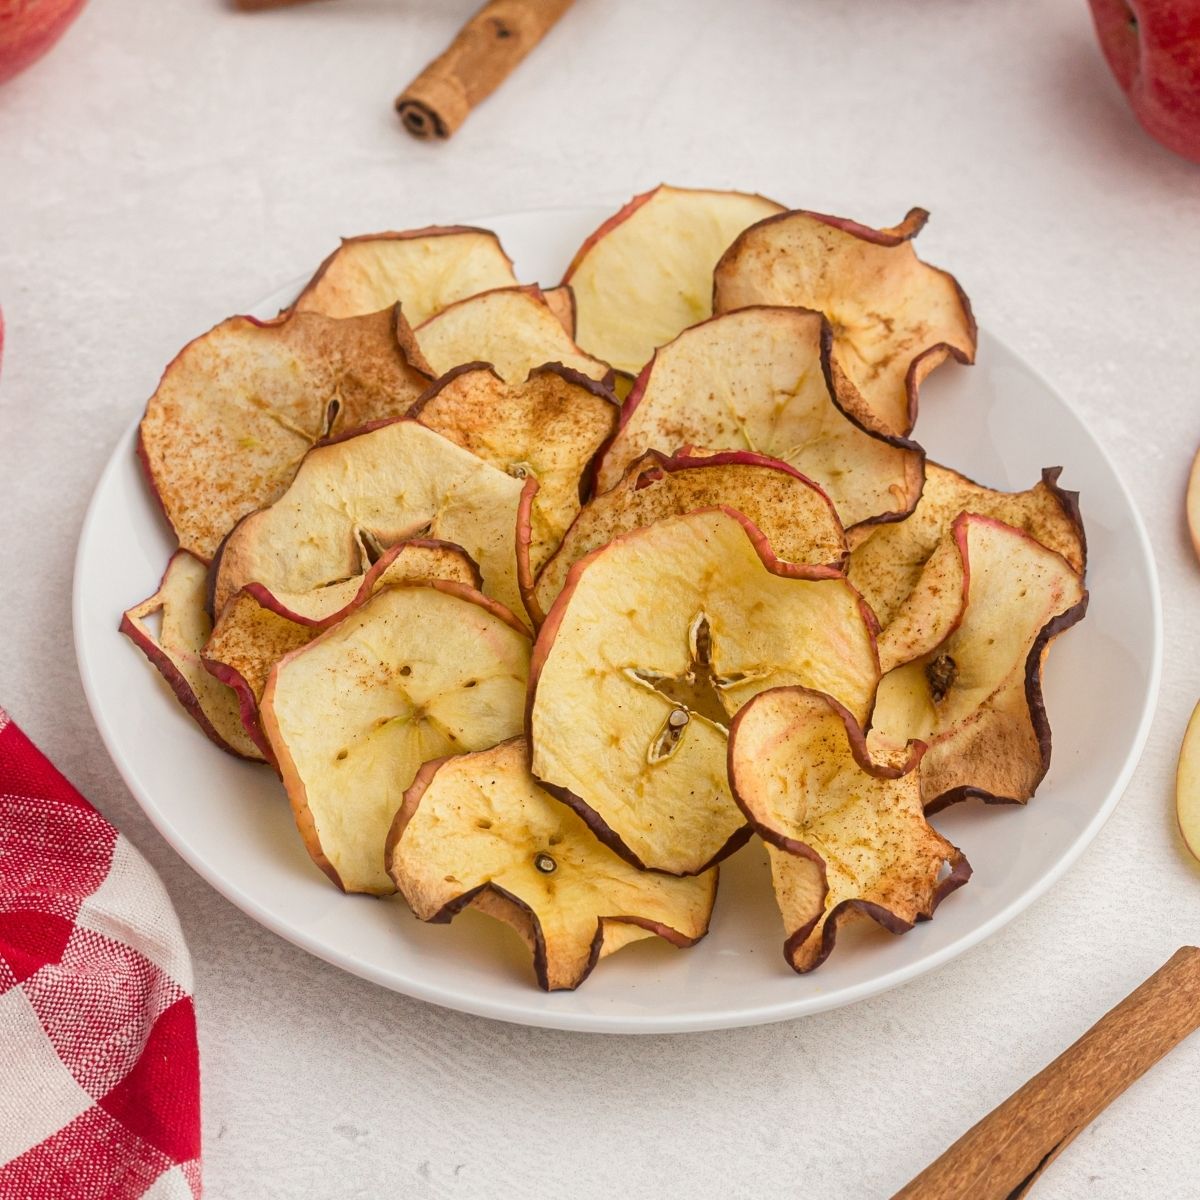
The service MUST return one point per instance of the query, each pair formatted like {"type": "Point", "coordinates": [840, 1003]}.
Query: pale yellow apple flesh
{"type": "Point", "coordinates": [1187, 786]}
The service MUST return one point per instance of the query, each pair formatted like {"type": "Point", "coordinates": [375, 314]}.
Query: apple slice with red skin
{"type": "Point", "coordinates": [240, 406]}
{"type": "Point", "coordinates": [423, 269]}
{"type": "Point", "coordinates": [962, 662]}
{"type": "Point", "coordinates": [893, 317]}
{"type": "Point", "coordinates": [477, 830]}
{"type": "Point", "coordinates": [845, 832]}
{"type": "Point", "coordinates": [646, 273]}
{"type": "Point", "coordinates": [753, 380]}
{"type": "Point", "coordinates": [561, 300]}
{"type": "Point", "coordinates": [420, 671]}
{"type": "Point", "coordinates": [175, 652]}
{"type": "Point", "coordinates": [658, 638]}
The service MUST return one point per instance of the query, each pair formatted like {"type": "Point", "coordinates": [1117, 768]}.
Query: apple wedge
{"type": "Point", "coordinates": [886, 561]}
{"type": "Point", "coordinates": [423, 269]}
{"type": "Point", "coordinates": [794, 515]}
{"type": "Point", "coordinates": [753, 380]}
{"type": "Point", "coordinates": [513, 329]}
{"type": "Point", "coordinates": [1187, 786]}
{"type": "Point", "coordinates": [1192, 504]}
{"type": "Point", "coordinates": [646, 273]}
{"type": "Point", "coordinates": [353, 498]}
{"type": "Point", "coordinates": [240, 406]}
{"type": "Point", "coordinates": [893, 317]}
{"type": "Point", "coordinates": [175, 652]}
{"type": "Point", "coordinates": [478, 830]}
{"type": "Point", "coordinates": [656, 641]}
{"type": "Point", "coordinates": [846, 834]}
{"type": "Point", "coordinates": [420, 671]}
{"type": "Point", "coordinates": [962, 661]}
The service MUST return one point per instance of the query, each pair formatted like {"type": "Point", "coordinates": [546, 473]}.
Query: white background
{"type": "Point", "coordinates": [172, 162]}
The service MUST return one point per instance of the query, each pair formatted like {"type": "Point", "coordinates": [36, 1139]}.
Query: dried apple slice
{"type": "Point", "coordinates": [962, 662]}
{"type": "Point", "coordinates": [893, 317]}
{"type": "Point", "coordinates": [886, 561]}
{"type": "Point", "coordinates": [423, 269]}
{"type": "Point", "coordinates": [795, 516]}
{"type": "Point", "coordinates": [561, 300]}
{"type": "Point", "coordinates": [1187, 786]}
{"type": "Point", "coordinates": [547, 427]}
{"type": "Point", "coordinates": [655, 642]}
{"type": "Point", "coordinates": [478, 830]}
{"type": "Point", "coordinates": [418, 672]}
{"type": "Point", "coordinates": [646, 273]}
{"type": "Point", "coordinates": [846, 834]}
{"type": "Point", "coordinates": [239, 407]}
{"type": "Point", "coordinates": [514, 329]}
{"type": "Point", "coordinates": [753, 380]}
{"type": "Point", "coordinates": [175, 652]}
{"type": "Point", "coordinates": [351, 499]}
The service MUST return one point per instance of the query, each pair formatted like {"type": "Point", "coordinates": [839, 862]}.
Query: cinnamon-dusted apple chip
{"type": "Point", "coordinates": [893, 317]}
{"type": "Point", "coordinates": [846, 834]}
{"type": "Point", "coordinates": [423, 269]}
{"type": "Point", "coordinates": [239, 407]}
{"type": "Point", "coordinates": [513, 329]}
{"type": "Point", "coordinates": [886, 561]}
{"type": "Point", "coordinates": [646, 273]}
{"type": "Point", "coordinates": [478, 830]}
{"type": "Point", "coordinates": [418, 672]}
{"type": "Point", "coordinates": [795, 516]}
{"type": "Point", "coordinates": [655, 642]}
{"type": "Point", "coordinates": [752, 380]}
{"type": "Point", "coordinates": [962, 662]}
{"type": "Point", "coordinates": [175, 652]}
{"type": "Point", "coordinates": [352, 499]}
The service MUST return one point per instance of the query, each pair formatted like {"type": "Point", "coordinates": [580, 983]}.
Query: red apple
{"type": "Point", "coordinates": [28, 28]}
{"type": "Point", "coordinates": [1153, 48]}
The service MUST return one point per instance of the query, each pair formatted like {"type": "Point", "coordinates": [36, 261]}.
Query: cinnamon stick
{"type": "Point", "coordinates": [485, 52]}
{"type": "Point", "coordinates": [1003, 1156]}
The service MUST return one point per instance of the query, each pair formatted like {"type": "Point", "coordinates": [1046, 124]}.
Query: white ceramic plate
{"type": "Point", "coordinates": [999, 422]}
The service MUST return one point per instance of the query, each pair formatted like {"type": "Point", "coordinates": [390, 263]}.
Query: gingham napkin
{"type": "Point", "coordinates": [99, 1074]}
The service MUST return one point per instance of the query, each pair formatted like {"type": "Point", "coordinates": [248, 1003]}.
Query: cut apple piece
{"type": "Point", "coordinates": [1193, 503]}
{"type": "Point", "coordinates": [886, 561]}
{"type": "Point", "coordinates": [646, 273]}
{"type": "Point", "coordinates": [547, 427]}
{"type": "Point", "coordinates": [1187, 786]}
{"type": "Point", "coordinates": [561, 300]}
{"type": "Point", "coordinates": [962, 662]}
{"type": "Point", "coordinates": [175, 652]}
{"type": "Point", "coordinates": [423, 269]}
{"type": "Point", "coordinates": [239, 407]}
{"type": "Point", "coordinates": [794, 515]}
{"type": "Point", "coordinates": [512, 329]}
{"type": "Point", "coordinates": [655, 642]}
{"type": "Point", "coordinates": [478, 830]}
{"type": "Point", "coordinates": [753, 380]}
{"type": "Point", "coordinates": [352, 499]}
{"type": "Point", "coordinates": [893, 318]}
{"type": "Point", "coordinates": [846, 835]}
{"type": "Point", "coordinates": [420, 671]}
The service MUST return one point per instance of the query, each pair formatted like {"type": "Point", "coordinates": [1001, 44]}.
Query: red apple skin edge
{"type": "Point", "coordinates": [1153, 49]}
{"type": "Point", "coordinates": [28, 28]}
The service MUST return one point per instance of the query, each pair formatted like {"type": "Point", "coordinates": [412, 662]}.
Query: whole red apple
{"type": "Point", "coordinates": [1153, 48]}
{"type": "Point", "coordinates": [28, 28]}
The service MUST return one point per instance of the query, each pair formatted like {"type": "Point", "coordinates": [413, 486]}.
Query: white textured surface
{"type": "Point", "coordinates": [172, 162]}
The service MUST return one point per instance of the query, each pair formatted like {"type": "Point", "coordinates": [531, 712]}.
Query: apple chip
{"type": "Point", "coordinates": [886, 561]}
{"type": "Point", "coordinates": [547, 427]}
{"type": "Point", "coordinates": [418, 672]}
{"type": "Point", "coordinates": [893, 318]}
{"type": "Point", "coordinates": [175, 652]}
{"type": "Point", "coordinates": [478, 830]}
{"type": "Point", "coordinates": [655, 642]}
{"type": "Point", "coordinates": [514, 329]}
{"type": "Point", "coordinates": [239, 407]}
{"type": "Point", "coordinates": [794, 515]}
{"type": "Point", "coordinates": [753, 380]}
{"type": "Point", "coordinates": [846, 835]}
{"type": "Point", "coordinates": [561, 300]}
{"type": "Point", "coordinates": [962, 662]}
{"type": "Point", "coordinates": [352, 499]}
{"type": "Point", "coordinates": [423, 269]}
{"type": "Point", "coordinates": [646, 273]}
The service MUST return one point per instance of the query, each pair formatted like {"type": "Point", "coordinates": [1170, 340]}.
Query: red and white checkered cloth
{"type": "Point", "coordinates": [99, 1073]}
